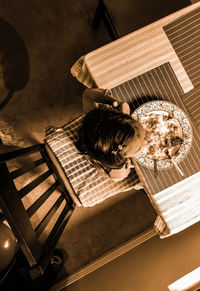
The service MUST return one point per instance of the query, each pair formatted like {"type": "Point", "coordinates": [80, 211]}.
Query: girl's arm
{"type": "Point", "coordinates": [92, 97]}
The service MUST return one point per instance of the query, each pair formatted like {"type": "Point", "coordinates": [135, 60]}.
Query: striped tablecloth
{"type": "Point", "coordinates": [170, 192]}
{"type": "Point", "coordinates": [162, 83]}
{"type": "Point", "coordinates": [184, 35]}
{"type": "Point", "coordinates": [149, 64]}
{"type": "Point", "coordinates": [192, 103]}
{"type": "Point", "coordinates": [133, 55]}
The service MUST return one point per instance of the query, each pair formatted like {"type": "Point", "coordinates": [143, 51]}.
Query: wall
{"type": "Point", "coordinates": [149, 267]}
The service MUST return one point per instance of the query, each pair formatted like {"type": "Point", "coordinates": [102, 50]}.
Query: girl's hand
{"type": "Point", "coordinates": [122, 106]}
{"type": "Point", "coordinates": [93, 96]}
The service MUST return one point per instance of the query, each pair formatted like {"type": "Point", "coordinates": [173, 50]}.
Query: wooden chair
{"type": "Point", "coordinates": [30, 170]}
{"type": "Point", "coordinates": [39, 188]}
{"type": "Point", "coordinates": [123, 17]}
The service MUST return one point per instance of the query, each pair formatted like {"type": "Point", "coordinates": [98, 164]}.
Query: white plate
{"type": "Point", "coordinates": [162, 107]}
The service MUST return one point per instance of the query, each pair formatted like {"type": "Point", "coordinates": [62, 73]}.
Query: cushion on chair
{"type": "Point", "coordinates": [90, 187]}
{"type": "Point", "coordinates": [62, 174]}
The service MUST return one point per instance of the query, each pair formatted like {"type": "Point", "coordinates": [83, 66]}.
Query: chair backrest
{"type": "Point", "coordinates": [35, 203]}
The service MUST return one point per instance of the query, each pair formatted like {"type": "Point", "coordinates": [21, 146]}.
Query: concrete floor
{"type": "Point", "coordinates": [53, 35]}
{"type": "Point", "coordinates": [49, 36]}
{"type": "Point", "coordinates": [48, 39]}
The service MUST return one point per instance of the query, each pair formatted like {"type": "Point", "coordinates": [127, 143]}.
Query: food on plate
{"type": "Point", "coordinates": [163, 133]}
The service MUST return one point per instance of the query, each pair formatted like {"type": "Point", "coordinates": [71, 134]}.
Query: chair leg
{"type": "Point", "coordinates": [54, 266]}
{"type": "Point", "coordinates": [43, 282]}
{"type": "Point", "coordinates": [103, 14]}
{"type": "Point", "coordinates": [98, 14]}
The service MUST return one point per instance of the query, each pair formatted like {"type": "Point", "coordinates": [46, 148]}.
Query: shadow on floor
{"type": "Point", "coordinates": [100, 233]}
{"type": "Point", "coordinates": [14, 61]}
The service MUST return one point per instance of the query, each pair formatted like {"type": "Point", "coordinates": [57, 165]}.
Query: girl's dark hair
{"type": "Point", "coordinates": [101, 134]}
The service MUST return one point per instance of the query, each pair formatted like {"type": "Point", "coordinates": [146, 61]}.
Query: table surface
{"type": "Point", "coordinates": [139, 53]}
{"type": "Point", "coordinates": [136, 53]}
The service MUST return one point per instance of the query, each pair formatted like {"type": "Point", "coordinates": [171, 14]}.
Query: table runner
{"type": "Point", "coordinates": [162, 83]}
{"type": "Point", "coordinates": [184, 35]}
{"type": "Point", "coordinates": [192, 102]}
{"type": "Point", "coordinates": [90, 186]}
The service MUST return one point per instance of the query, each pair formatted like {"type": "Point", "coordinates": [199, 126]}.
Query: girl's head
{"type": "Point", "coordinates": [109, 137]}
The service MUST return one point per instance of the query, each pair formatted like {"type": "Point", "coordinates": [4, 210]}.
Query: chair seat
{"type": "Point", "coordinates": [90, 187]}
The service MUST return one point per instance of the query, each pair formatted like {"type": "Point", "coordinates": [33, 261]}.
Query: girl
{"type": "Point", "coordinates": [109, 136]}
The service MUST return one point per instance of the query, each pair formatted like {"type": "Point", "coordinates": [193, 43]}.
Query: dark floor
{"type": "Point", "coordinates": [49, 37]}
{"type": "Point", "coordinates": [113, 222]}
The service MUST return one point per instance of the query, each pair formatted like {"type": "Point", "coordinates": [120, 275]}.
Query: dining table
{"type": "Point", "coordinates": [158, 63]}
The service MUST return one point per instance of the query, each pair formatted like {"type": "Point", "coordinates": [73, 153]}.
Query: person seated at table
{"type": "Point", "coordinates": [109, 136]}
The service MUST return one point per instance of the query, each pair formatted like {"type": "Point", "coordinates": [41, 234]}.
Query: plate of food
{"type": "Point", "coordinates": [168, 134]}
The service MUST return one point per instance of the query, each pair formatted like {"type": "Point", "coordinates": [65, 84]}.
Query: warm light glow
{"type": "Point", "coordinates": [6, 244]}
{"type": "Point", "coordinates": [189, 282]}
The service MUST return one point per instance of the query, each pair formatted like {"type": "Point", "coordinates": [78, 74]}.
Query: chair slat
{"type": "Point", "coordinates": [25, 151]}
{"type": "Point", "coordinates": [55, 234]}
{"type": "Point", "coordinates": [58, 227]}
{"type": "Point", "coordinates": [38, 256]}
{"type": "Point", "coordinates": [27, 168]}
{"type": "Point", "coordinates": [35, 183]}
{"type": "Point", "coordinates": [38, 203]}
{"type": "Point", "coordinates": [17, 217]}
{"type": "Point", "coordinates": [48, 216]}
